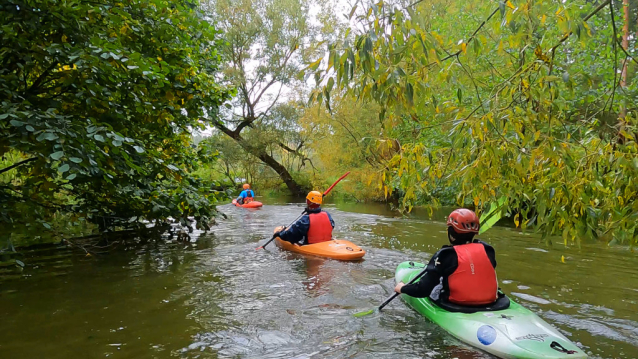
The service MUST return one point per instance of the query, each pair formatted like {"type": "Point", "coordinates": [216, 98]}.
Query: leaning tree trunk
{"type": "Point", "coordinates": [261, 153]}
{"type": "Point", "coordinates": [281, 171]}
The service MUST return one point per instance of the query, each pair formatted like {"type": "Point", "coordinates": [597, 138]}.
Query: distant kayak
{"type": "Point", "coordinates": [253, 204]}
{"type": "Point", "coordinates": [511, 332]}
{"type": "Point", "coordinates": [335, 249]}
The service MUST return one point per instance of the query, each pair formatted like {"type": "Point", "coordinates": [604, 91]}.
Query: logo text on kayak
{"type": "Point", "coordinates": [537, 337]}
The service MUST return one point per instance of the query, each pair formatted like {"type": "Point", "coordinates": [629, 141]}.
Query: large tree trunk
{"type": "Point", "coordinates": [261, 153]}
{"type": "Point", "coordinates": [282, 172]}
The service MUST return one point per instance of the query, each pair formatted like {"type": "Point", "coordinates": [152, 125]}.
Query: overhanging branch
{"type": "Point", "coordinates": [18, 164]}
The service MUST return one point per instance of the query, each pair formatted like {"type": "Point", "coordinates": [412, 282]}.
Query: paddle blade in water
{"type": "Point", "coordinates": [363, 314]}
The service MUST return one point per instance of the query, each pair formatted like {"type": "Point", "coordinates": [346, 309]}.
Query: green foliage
{"type": "Point", "coordinates": [99, 99]}
{"type": "Point", "coordinates": [519, 100]}
{"type": "Point", "coordinates": [266, 50]}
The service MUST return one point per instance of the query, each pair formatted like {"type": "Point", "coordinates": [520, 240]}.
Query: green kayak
{"type": "Point", "coordinates": [513, 332]}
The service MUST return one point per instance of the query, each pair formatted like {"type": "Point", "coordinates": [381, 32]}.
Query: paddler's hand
{"type": "Point", "coordinates": [398, 287]}
{"type": "Point", "coordinates": [278, 229]}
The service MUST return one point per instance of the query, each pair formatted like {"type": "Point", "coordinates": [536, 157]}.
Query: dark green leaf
{"type": "Point", "coordinates": [63, 168]}
{"type": "Point", "coordinates": [57, 155]}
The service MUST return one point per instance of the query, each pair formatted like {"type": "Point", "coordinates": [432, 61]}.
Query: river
{"type": "Point", "coordinates": [216, 297]}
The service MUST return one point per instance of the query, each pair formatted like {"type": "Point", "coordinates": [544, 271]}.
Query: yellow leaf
{"type": "Point", "coordinates": [562, 259]}
{"type": "Point", "coordinates": [537, 134]}
{"type": "Point", "coordinates": [516, 220]}
{"type": "Point", "coordinates": [543, 20]}
{"type": "Point", "coordinates": [159, 58]}
{"type": "Point", "coordinates": [464, 47]}
{"type": "Point", "coordinates": [64, 38]}
{"type": "Point", "coordinates": [509, 4]}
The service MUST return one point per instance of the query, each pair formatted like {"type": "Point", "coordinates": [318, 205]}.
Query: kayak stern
{"type": "Point", "coordinates": [515, 332]}
{"type": "Point", "coordinates": [335, 249]}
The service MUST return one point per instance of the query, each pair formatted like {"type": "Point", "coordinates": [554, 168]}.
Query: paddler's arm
{"type": "Point", "coordinates": [297, 231]}
{"type": "Point", "coordinates": [332, 222]}
{"type": "Point", "coordinates": [436, 268]}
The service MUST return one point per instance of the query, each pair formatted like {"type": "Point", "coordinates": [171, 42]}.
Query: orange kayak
{"type": "Point", "coordinates": [335, 249]}
{"type": "Point", "coordinates": [253, 204]}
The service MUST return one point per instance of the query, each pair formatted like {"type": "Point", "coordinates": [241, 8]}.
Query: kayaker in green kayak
{"type": "Point", "coordinates": [463, 273]}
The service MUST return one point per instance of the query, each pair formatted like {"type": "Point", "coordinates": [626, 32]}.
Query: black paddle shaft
{"type": "Point", "coordinates": [275, 234]}
{"type": "Point", "coordinates": [397, 294]}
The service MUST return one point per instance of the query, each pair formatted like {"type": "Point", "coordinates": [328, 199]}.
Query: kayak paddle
{"type": "Point", "coordinates": [304, 212]}
{"type": "Point", "coordinates": [362, 314]}
{"type": "Point", "coordinates": [334, 184]}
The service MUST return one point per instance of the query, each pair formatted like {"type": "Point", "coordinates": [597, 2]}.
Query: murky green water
{"type": "Point", "coordinates": [218, 297]}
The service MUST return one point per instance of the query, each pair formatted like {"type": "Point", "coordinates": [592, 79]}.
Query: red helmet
{"type": "Point", "coordinates": [463, 221]}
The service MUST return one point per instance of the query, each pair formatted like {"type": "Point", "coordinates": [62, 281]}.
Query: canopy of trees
{"type": "Point", "coordinates": [97, 104]}
{"type": "Point", "coordinates": [520, 104]}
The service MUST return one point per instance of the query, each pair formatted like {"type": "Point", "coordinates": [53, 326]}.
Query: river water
{"type": "Point", "coordinates": [216, 297]}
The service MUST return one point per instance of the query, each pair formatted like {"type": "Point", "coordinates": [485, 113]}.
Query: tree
{"type": "Point", "coordinates": [527, 94]}
{"type": "Point", "coordinates": [266, 45]}
{"type": "Point", "coordinates": [99, 100]}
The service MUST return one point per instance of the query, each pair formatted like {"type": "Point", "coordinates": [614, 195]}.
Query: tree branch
{"type": "Point", "coordinates": [40, 78]}
{"type": "Point", "coordinates": [18, 164]}
{"type": "Point", "coordinates": [468, 41]}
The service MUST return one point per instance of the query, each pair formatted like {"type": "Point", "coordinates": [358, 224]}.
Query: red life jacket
{"type": "Point", "coordinates": [474, 280]}
{"type": "Point", "coordinates": [320, 228]}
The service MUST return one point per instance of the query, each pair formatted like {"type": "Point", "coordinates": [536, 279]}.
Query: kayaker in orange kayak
{"type": "Point", "coordinates": [247, 195]}
{"type": "Point", "coordinates": [313, 227]}
{"type": "Point", "coordinates": [463, 273]}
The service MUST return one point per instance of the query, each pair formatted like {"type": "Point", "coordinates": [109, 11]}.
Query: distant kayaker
{"type": "Point", "coordinates": [246, 196]}
{"type": "Point", "coordinates": [463, 273]}
{"type": "Point", "coordinates": [314, 227]}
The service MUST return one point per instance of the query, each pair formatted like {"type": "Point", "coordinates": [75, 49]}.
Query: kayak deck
{"type": "Point", "coordinates": [253, 204]}
{"type": "Point", "coordinates": [335, 249]}
{"type": "Point", "coordinates": [515, 332]}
